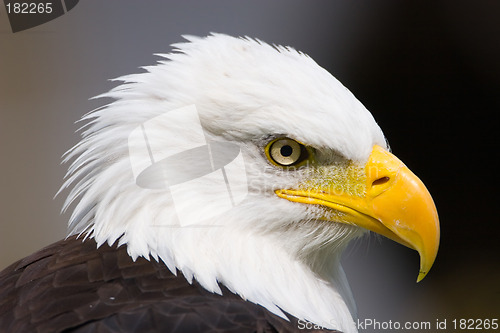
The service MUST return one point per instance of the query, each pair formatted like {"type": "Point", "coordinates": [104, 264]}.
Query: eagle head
{"type": "Point", "coordinates": [248, 165]}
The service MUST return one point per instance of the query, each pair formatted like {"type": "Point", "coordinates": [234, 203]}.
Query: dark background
{"type": "Point", "coordinates": [428, 71]}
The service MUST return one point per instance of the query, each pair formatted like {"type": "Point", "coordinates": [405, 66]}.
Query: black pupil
{"type": "Point", "coordinates": [286, 150]}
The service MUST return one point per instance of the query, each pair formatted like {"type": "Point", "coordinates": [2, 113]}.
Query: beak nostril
{"type": "Point", "coordinates": [380, 181]}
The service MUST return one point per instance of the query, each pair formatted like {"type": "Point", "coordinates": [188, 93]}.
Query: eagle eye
{"type": "Point", "coordinates": [286, 152]}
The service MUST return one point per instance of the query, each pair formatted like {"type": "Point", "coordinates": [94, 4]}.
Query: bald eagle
{"type": "Point", "coordinates": [217, 193]}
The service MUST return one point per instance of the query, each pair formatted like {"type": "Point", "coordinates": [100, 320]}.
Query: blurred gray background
{"type": "Point", "coordinates": [428, 71]}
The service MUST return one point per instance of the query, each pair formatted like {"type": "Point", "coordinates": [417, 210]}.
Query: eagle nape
{"type": "Point", "coordinates": [216, 193]}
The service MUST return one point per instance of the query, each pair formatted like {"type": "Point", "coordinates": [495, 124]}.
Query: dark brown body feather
{"type": "Point", "coordinates": [71, 286]}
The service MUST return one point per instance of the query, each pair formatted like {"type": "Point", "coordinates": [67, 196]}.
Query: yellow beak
{"type": "Point", "coordinates": [395, 204]}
